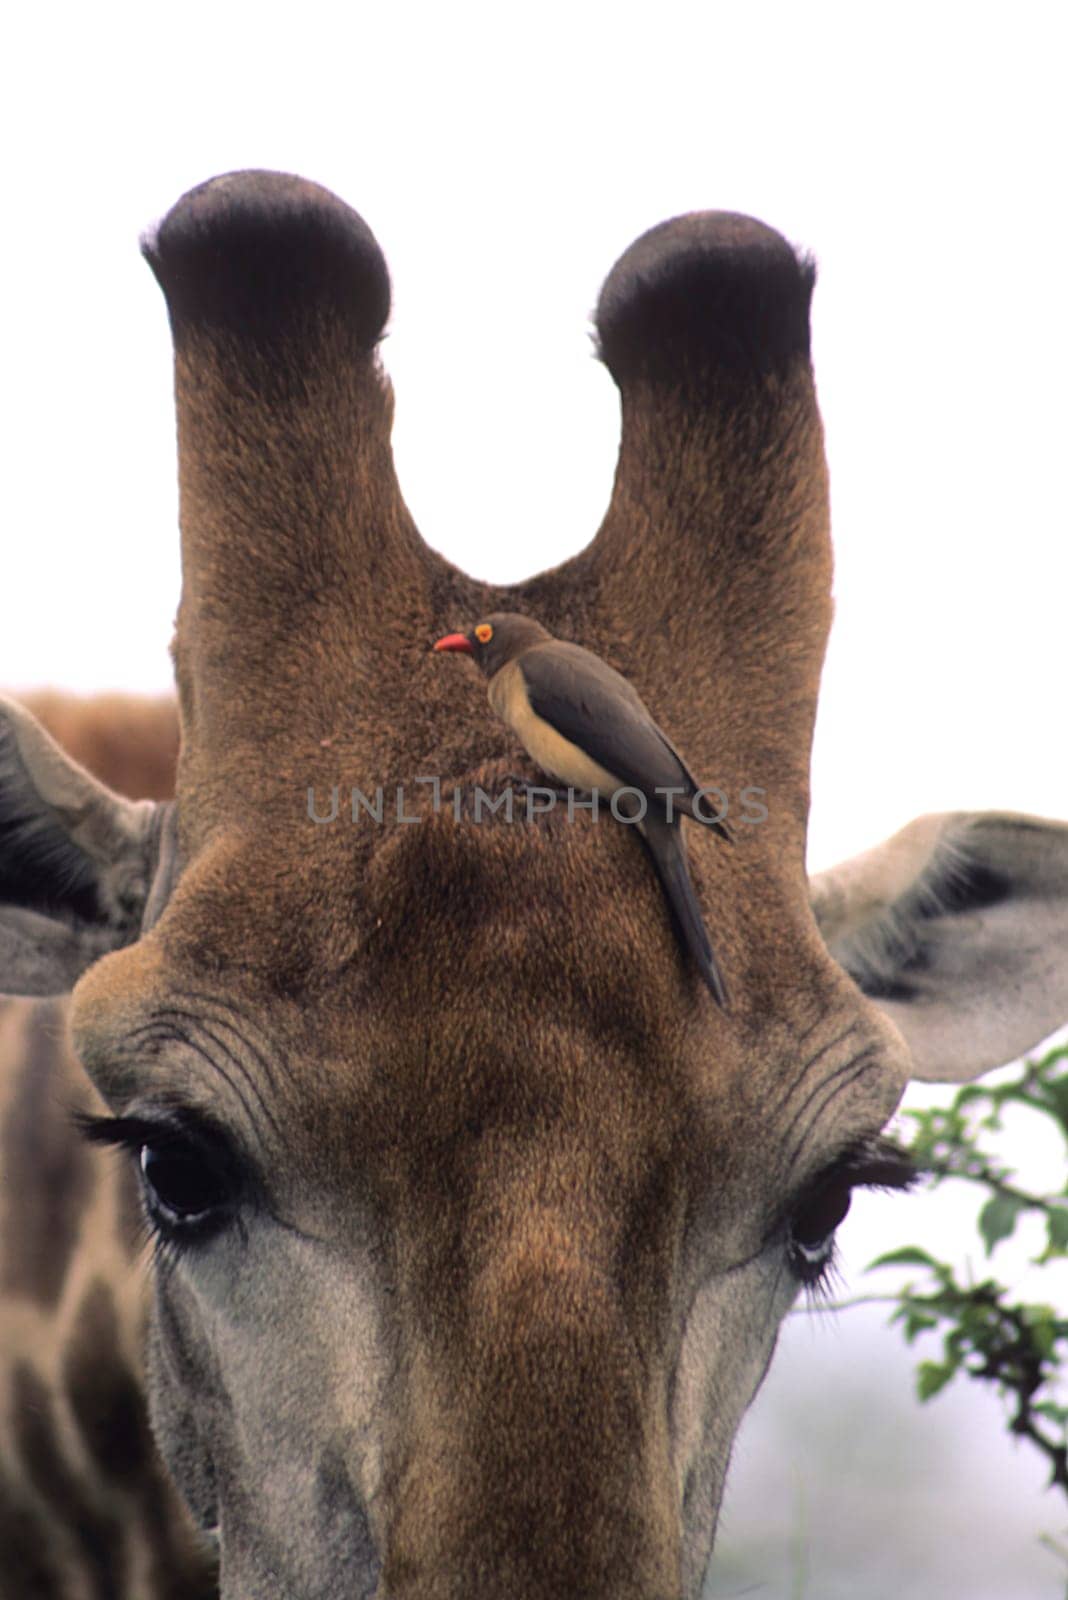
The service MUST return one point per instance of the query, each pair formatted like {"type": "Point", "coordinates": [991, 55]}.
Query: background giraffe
{"type": "Point", "coordinates": [86, 1510]}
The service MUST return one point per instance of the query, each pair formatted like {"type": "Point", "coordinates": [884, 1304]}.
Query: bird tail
{"type": "Point", "coordinates": [665, 844]}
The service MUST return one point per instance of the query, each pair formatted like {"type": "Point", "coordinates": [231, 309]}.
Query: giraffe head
{"type": "Point", "coordinates": [475, 1217]}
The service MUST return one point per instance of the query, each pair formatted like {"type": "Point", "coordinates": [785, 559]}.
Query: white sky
{"type": "Point", "coordinates": [505, 158]}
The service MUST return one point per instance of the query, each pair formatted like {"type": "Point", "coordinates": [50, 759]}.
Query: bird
{"type": "Point", "coordinates": [584, 724]}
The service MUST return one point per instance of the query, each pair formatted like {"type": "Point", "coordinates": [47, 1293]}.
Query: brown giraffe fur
{"type": "Point", "coordinates": [512, 1210]}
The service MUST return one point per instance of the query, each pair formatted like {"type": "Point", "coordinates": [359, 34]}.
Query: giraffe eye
{"type": "Point", "coordinates": [872, 1164]}
{"type": "Point", "coordinates": [181, 1185]}
{"type": "Point", "coordinates": [813, 1228]}
{"type": "Point", "coordinates": [191, 1180]}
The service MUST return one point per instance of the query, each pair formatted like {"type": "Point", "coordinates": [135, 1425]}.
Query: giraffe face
{"type": "Point", "coordinates": [475, 1216]}
{"type": "Point", "coordinates": [422, 1249]}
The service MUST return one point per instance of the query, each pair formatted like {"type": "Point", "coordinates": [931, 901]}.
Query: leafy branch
{"type": "Point", "coordinates": [986, 1332]}
{"type": "Point", "coordinates": [1019, 1347]}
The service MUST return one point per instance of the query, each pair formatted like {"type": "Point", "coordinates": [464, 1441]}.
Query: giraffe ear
{"type": "Point", "coordinates": [957, 928]}
{"type": "Point", "coordinates": [79, 865]}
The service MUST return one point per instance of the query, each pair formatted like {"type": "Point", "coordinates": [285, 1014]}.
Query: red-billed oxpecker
{"type": "Point", "coordinates": [584, 724]}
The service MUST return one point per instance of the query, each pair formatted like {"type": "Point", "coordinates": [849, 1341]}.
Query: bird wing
{"type": "Point", "coordinates": [594, 706]}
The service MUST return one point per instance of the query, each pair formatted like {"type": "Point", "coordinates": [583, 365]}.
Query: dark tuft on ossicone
{"type": "Point", "coordinates": [705, 295]}
{"type": "Point", "coordinates": [254, 253]}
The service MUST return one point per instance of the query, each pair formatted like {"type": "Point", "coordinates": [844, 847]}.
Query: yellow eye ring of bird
{"type": "Point", "coordinates": [483, 633]}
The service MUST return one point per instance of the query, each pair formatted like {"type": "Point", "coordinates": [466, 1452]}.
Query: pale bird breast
{"type": "Point", "coordinates": [552, 752]}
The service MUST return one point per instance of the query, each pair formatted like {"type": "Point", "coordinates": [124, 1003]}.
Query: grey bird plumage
{"type": "Point", "coordinates": [586, 726]}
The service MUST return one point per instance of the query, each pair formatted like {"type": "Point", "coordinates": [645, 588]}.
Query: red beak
{"type": "Point", "coordinates": [456, 641]}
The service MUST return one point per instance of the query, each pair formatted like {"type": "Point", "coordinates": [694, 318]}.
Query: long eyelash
{"type": "Point", "coordinates": [158, 1250]}
{"type": "Point", "coordinates": [95, 1129]}
{"type": "Point", "coordinates": [180, 1131]}
{"type": "Point", "coordinates": [166, 1252]}
{"type": "Point", "coordinates": [161, 1251]}
{"type": "Point", "coordinates": [820, 1291]}
{"type": "Point", "coordinates": [145, 1235]}
{"type": "Point", "coordinates": [121, 1133]}
{"type": "Point", "coordinates": [879, 1164]}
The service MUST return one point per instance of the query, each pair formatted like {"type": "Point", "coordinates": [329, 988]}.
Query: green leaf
{"type": "Point", "coordinates": [1040, 1320]}
{"type": "Point", "coordinates": [1055, 1413]}
{"type": "Point", "coordinates": [1058, 1094]}
{"type": "Point", "coordinates": [956, 1343]}
{"type": "Point", "coordinates": [931, 1376]}
{"type": "Point", "coordinates": [998, 1219]}
{"type": "Point", "coordinates": [917, 1322]}
{"type": "Point", "coordinates": [910, 1256]}
{"type": "Point", "coordinates": [1057, 1222]}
